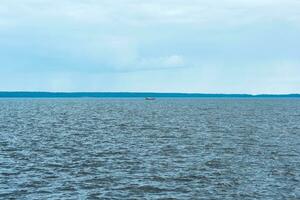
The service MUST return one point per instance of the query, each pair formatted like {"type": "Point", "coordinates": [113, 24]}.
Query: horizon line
{"type": "Point", "coordinates": [48, 94]}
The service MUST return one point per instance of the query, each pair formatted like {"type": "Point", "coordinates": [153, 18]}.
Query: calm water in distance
{"type": "Point", "coordinates": [163, 149]}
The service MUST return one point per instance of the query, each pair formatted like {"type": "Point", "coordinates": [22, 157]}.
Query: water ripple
{"type": "Point", "coordinates": [135, 149]}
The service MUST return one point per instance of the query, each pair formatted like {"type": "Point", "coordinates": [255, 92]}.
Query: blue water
{"type": "Point", "coordinates": [163, 149]}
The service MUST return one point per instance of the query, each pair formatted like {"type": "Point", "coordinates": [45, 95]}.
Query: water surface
{"type": "Point", "coordinates": [136, 149]}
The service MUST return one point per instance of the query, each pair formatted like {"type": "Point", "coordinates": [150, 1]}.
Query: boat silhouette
{"type": "Point", "coordinates": [149, 98]}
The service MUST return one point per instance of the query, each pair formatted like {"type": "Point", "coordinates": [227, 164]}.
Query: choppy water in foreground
{"type": "Point", "coordinates": [136, 149]}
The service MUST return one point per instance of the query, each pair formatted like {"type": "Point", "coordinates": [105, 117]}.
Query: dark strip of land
{"type": "Point", "coordinates": [135, 95]}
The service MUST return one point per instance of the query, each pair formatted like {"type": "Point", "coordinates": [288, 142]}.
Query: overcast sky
{"type": "Point", "coordinates": [207, 46]}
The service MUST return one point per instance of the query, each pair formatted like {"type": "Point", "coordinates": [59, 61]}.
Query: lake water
{"type": "Point", "coordinates": [163, 149]}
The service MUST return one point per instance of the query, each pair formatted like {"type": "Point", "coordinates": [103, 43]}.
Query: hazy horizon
{"type": "Point", "coordinates": [135, 94]}
{"type": "Point", "coordinates": [154, 92]}
{"type": "Point", "coordinates": [158, 92]}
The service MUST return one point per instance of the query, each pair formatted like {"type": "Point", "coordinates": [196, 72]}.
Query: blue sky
{"type": "Point", "coordinates": [207, 46]}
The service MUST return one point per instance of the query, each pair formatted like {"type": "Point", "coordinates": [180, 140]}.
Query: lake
{"type": "Point", "coordinates": [137, 149]}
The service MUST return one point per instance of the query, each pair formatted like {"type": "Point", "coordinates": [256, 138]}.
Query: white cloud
{"type": "Point", "coordinates": [174, 61]}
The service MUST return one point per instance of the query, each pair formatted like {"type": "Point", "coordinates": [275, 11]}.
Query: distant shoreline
{"type": "Point", "coordinates": [135, 95]}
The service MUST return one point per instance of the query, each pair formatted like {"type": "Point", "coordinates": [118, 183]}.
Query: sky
{"type": "Point", "coordinates": [202, 46]}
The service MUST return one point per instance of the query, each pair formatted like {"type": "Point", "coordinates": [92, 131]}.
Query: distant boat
{"type": "Point", "coordinates": [149, 98]}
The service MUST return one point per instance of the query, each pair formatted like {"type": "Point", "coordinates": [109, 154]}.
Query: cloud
{"type": "Point", "coordinates": [174, 61]}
